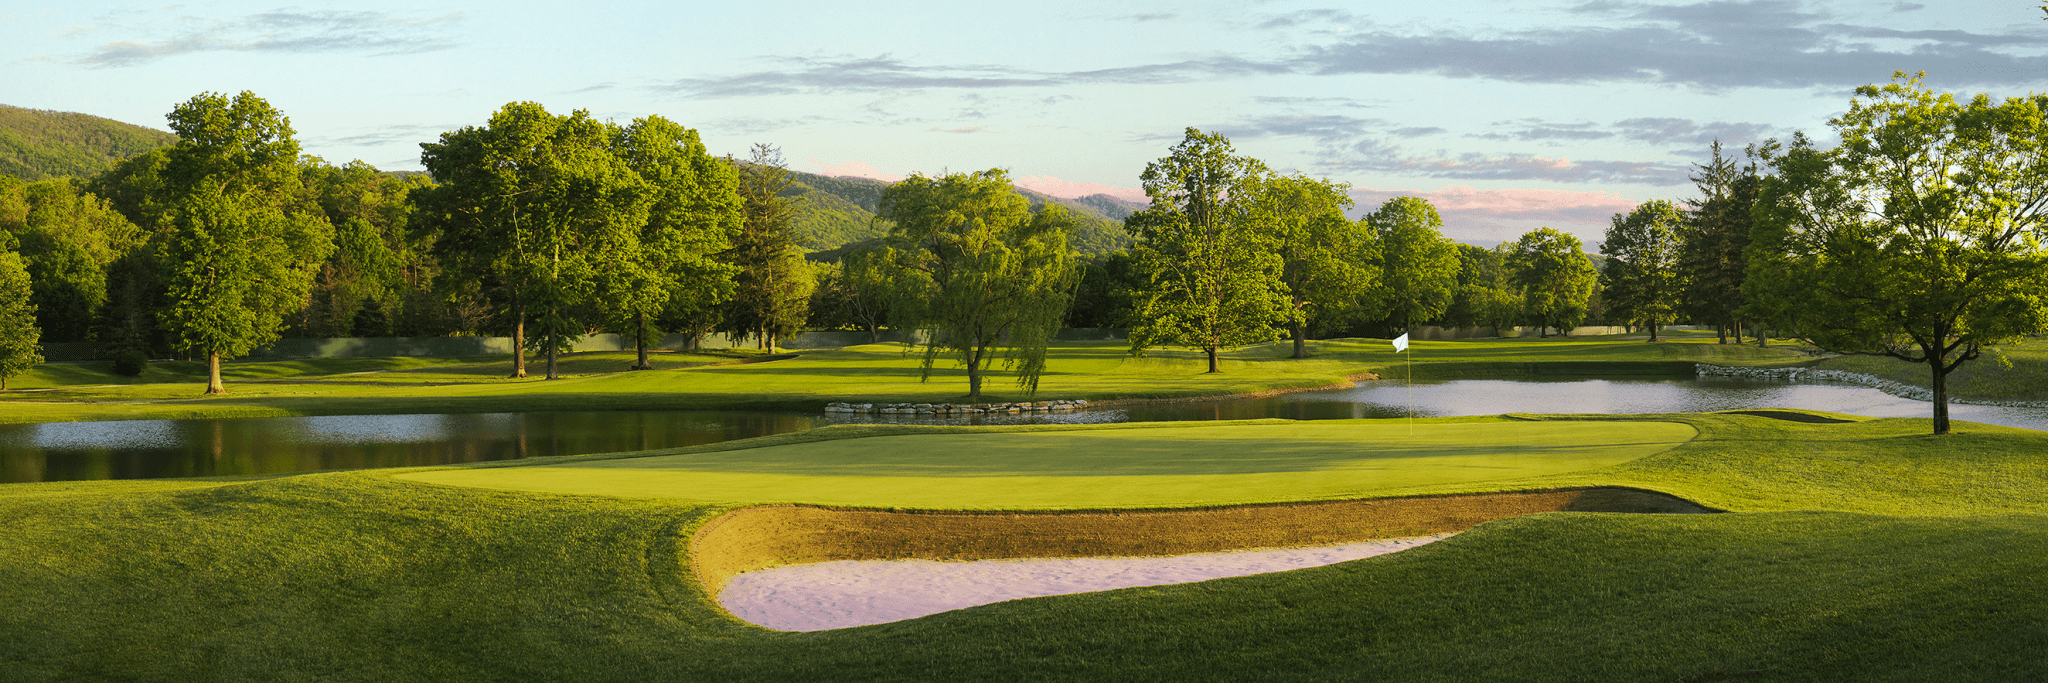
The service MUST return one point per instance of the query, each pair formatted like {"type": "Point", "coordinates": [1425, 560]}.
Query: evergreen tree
{"type": "Point", "coordinates": [771, 293]}
{"type": "Point", "coordinates": [1717, 231]}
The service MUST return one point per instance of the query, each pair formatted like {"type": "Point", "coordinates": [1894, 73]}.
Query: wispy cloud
{"type": "Point", "coordinates": [1758, 43]}
{"type": "Point", "coordinates": [282, 31]}
{"type": "Point", "coordinates": [886, 73]}
{"type": "Point", "coordinates": [1150, 16]}
{"type": "Point", "coordinates": [1378, 155]}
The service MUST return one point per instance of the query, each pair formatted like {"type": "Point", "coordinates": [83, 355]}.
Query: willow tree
{"type": "Point", "coordinates": [239, 253]}
{"type": "Point", "coordinates": [1555, 277]}
{"type": "Point", "coordinates": [979, 273]}
{"type": "Point", "coordinates": [1330, 265]}
{"type": "Point", "coordinates": [1642, 276]}
{"type": "Point", "coordinates": [1212, 273]}
{"type": "Point", "coordinates": [1920, 236]}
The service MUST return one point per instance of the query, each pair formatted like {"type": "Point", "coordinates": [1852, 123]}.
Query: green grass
{"type": "Point", "coordinates": [882, 372]}
{"type": "Point", "coordinates": [1984, 378]}
{"type": "Point", "coordinates": [1858, 551]}
{"type": "Point", "coordinates": [1140, 465]}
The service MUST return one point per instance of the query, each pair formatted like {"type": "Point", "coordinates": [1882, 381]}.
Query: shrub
{"type": "Point", "coordinates": [131, 362]}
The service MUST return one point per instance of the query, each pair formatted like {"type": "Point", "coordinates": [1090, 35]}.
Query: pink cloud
{"type": "Point", "coordinates": [1479, 215]}
{"type": "Point", "coordinates": [856, 169]}
{"type": "Point", "coordinates": [1068, 190]}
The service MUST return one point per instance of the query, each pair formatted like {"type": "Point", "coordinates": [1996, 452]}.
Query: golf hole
{"type": "Point", "coordinates": [806, 568]}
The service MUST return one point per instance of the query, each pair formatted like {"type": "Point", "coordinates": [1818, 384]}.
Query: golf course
{"type": "Point", "coordinates": [1817, 546]}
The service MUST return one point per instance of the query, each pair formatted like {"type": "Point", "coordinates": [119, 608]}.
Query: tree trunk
{"type": "Point", "coordinates": [1722, 330]}
{"type": "Point", "coordinates": [518, 339]}
{"type": "Point", "coordinates": [640, 342]}
{"type": "Point", "coordinates": [1940, 366]}
{"type": "Point", "coordinates": [1653, 329]}
{"type": "Point", "coordinates": [553, 343]}
{"type": "Point", "coordinates": [1212, 359]}
{"type": "Point", "coordinates": [1300, 340]}
{"type": "Point", "coordinates": [874, 334]}
{"type": "Point", "coordinates": [1763, 340]}
{"type": "Point", "coordinates": [974, 375]}
{"type": "Point", "coordinates": [213, 384]}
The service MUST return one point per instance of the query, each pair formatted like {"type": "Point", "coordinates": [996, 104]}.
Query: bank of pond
{"type": "Point", "coordinates": [149, 449]}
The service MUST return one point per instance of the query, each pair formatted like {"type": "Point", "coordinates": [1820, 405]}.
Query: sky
{"type": "Point", "coordinates": [1505, 115]}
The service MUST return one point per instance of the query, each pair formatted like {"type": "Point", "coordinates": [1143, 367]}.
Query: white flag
{"type": "Point", "coordinates": [1401, 343]}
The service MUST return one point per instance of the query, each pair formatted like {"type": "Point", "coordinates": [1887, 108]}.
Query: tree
{"type": "Point", "coordinates": [538, 210]}
{"type": "Point", "coordinates": [20, 339]}
{"type": "Point", "coordinates": [1485, 297]}
{"type": "Point", "coordinates": [695, 213]}
{"type": "Point", "coordinates": [1712, 257]}
{"type": "Point", "coordinates": [238, 256]}
{"type": "Point", "coordinates": [1555, 277]}
{"type": "Point", "coordinates": [856, 292]}
{"type": "Point", "coordinates": [980, 272]}
{"type": "Point", "coordinates": [771, 295]}
{"type": "Point", "coordinates": [1642, 276]}
{"type": "Point", "coordinates": [1330, 265]}
{"type": "Point", "coordinates": [1420, 265]}
{"type": "Point", "coordinates": [68, 237]}
{"type": "Point", "coordinates": [1919, 237]}
{"type": "Point", "coordinates": [1212, 275]}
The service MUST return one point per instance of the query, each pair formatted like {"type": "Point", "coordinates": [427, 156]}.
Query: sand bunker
{"type": "Point", "coordinates": [828, 595]}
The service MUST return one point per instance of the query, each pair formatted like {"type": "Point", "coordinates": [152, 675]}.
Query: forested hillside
{"type": "Point", "coordinates": [37, 144]}
{"type": "Point", "coordinates": [839, 211]}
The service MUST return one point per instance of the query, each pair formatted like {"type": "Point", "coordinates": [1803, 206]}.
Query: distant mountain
{"type": "Point", "coordinates": [37, 144]}
{"type": "Point", "coordinates": [839, 211]}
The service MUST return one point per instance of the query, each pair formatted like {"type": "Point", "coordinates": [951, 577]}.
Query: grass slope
{"type": "Point", "coordinates": [2026, 379]}
{"type": "Point", "coordinates": [881, 372]}
{"type": "Point", "coordinates": [1140, 465]}
{"type": "Point", "coordinates": [1857, 551]}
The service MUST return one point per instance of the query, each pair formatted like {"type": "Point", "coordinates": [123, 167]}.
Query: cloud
{"type": "Point", "coordinates": [1692, 134]}
{"type": "Point", "coordinates": [1322, 127]}
{"type": "Point", "coordinates": [1486, 216]}
{"type": "Point", "coordinates": [887, 74]}
{"type": "Point", "coordinates": [1152, 16]}
{"type": "Point", "coordinates": [389, 135]}
{"type": "Point", "coordinates": [283, 31]}
{"type": "Point", "coordinates": [1304, 17]}
{"type": "Point", "coordinates": [1416, 132]}
{"type": "Point", "coordinates": [1539, 130]}
{"type": "Point", "coordinates": [1898, 8]}
{"type": "Point", "coordinates": [854, 169]}
{"type": "Point", "coordinates": [1721, 44]}
{"type": "Point", "coordinates": [961, 129]}
{"type": "Point", "coordinates": [1049, 185]}
{"type": "Point", "coordinates": [1376, 155]}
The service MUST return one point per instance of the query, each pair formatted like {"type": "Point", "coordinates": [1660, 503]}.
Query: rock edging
{"type": "Point", "coordinates": [1899, 389]}
{"type": "Point", "coordinates": [1018, 408]}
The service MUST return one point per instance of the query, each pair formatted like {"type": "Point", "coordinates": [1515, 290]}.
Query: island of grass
{"type": "Point", "coordinates": [1849, 549]}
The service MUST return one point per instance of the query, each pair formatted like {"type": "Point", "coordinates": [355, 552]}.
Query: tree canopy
{"type": "Point", "coordinates": [1329, 264]}
{"type": "Point", "coordinates": [980, 273]}
{"type": "Point", "coordinates": [20, 340]}
{"type": "Point", "coordinates": [1420, 265]}
{"type": "Point", "coordinates": [1555, 277]}
{"type": "Point", "coordinates": [1642, 279]}
{"type": "Point", "coordinates": [1919, 236]}
{"type": "Point", "coordinates": [1212, 274]}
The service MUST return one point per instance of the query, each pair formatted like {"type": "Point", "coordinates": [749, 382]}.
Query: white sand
{"type": "Point", "coordinates": [827, 595]}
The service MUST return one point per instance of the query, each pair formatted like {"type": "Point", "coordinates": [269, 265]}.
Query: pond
{"type": "Point", "coordinates": [144, 449]}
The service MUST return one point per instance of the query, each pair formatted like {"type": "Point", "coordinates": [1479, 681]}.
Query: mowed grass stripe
{"type": "Point", "coordinates": [1111, 466]}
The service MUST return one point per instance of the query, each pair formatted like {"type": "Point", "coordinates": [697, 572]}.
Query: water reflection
{"type": "Point", "coordinates": [144, 449]}
{"type": "Point", "coordinates": [150, 449]}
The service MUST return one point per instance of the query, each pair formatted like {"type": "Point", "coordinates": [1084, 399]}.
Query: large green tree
{"type": "Point", "coordinates": [20, 340]}
{"type": "Point", "coordinates": [538, 209]}
{"type": "Point", "coordinates": [1212, 273]}
{"type": "Point", "coordinates": [68, 239]}
{"type": "Point", "coordinates": [694, 213]}
{"type": "Point", "coordinates": [1643, 278]}
{"type": "Point", "coordinates": [238, 256]}
{"type": "Point", "coordinates": [771, 296]}
{"type": "Point", "coordinates": [981, 273]}
{"type": "Point", "coordinates": [1330, 265]}
{"type": "Point", "coordinates": [1555, 277]}
{"type": "Point", "coordinates": [1920, 236]}
{"type": "Point", "coordinates": [1419, 264]}
{"type": "Point", "coordinates": [1485, 297]}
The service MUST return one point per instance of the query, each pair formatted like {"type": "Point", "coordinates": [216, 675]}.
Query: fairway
{"type": "Point", "coordinates": [1104, 466]}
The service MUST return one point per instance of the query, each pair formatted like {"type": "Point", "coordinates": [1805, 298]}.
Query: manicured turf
{"type": "Point", "coordinates": [1863, 551]}
{"type": "Point", "coordinates": [882, 372]}
{"type": "Point", "coordinates": [1106, 466]}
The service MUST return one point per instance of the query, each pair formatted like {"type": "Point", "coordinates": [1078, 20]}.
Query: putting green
{"type": "Point", "coordinates": [1116, 466]}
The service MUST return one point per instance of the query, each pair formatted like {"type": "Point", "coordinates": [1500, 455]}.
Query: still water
{"type": "Point", "coordinates": [145, 449]}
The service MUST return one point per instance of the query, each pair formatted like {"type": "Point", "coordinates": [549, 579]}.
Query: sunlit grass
{"type": "Point", "coordinates": [1858, 551]}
